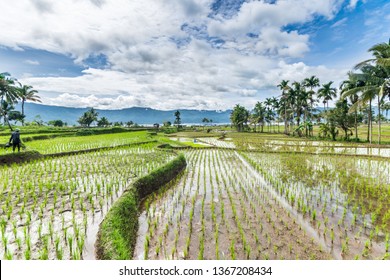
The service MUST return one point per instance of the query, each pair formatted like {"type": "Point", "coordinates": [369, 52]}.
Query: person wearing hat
{"type": "Point", "coordinates": [15, 139]}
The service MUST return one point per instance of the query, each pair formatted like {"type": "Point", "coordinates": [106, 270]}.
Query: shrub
{"type": "Point", "coordinates": [85, 132]}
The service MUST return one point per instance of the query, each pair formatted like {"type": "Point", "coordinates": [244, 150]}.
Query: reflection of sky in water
{"type": "Point", "coordinates": [317, 183]}
{"type": "Point", "coordinates": [319, 147]}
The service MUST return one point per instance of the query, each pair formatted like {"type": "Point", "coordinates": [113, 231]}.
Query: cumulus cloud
{"type": "Point", "coordinates": [166, 54]}
{"type": "Point", "coordinates": [268, 19]}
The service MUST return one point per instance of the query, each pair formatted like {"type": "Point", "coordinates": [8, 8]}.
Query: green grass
{"type": "Point", "coordinates": [75, 143]}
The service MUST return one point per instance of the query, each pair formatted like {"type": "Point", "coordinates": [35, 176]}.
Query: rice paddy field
{"type": "Point", "coordinates": [241, 196]}
{"type": "Point", "coordinates": [75, 143]}
{"type": "Point", "coordinates": [51, 209]}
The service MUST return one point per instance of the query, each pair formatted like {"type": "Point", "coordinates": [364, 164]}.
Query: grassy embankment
{"type": "Point", "coordinates": [118, 231]}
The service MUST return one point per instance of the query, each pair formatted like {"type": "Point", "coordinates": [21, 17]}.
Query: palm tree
{"type": "Point", "coordinates": [311, 83]}
{"type": "Point", "coordinates": [283, 100]}
{"type": "Point", "coordinates": [27, 93]}
{"type": "Point", "coordinates": [326, 92]}
{"type": "Point", "coordinates": [6, 108]}
{"type": "Point", "coordinates": [304, 100]}
{"type": "Point", "coordinates": [275, 105]}
{"type": "Point", "coordinates": [300, 101]}
{"type": "Point", "coordinates": [239, 117]}
{"type": "Point", "coordinates": [258, 115]}
{"type": "Point", "coordinates": [381, 53]}
{"type": "Point", "coordinates": [269, 112]}
{"type": "Point", "coordinates": [379, 74]}
{"type": "Point", "coordinates": [8, 91]}
{"type": "Point", "coordinates": [386, 107]}
{"type": "Point", "coordinates": [347, 85]}
{"type": "Point", "coordinates": [8, 95]}
{"type": "Point", "coordinates": [370, 85]}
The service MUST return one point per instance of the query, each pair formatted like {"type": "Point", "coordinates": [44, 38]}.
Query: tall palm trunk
{"type": "Point", "coordinates": [311, 116]}
{"type": "Point", "coordinates": [285, 120]}
{"type": "Point", "coordinates": [356, 126]}
{"type": "Point", "coordinates": [369, 136]}
{"type": "Point", "coordinates": [6, 120]}
{"type": "Point", "coordinates": [304, 121]}
{"type": "Point", "coordinates": [23, 111]}
{"type": "Point", "coordinates": [379, 119]}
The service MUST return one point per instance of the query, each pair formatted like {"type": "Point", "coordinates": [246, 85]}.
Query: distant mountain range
{"type": "Point", "coordinates": [135, 114]}
{"type": "Point", "coordinates": [138, 115]}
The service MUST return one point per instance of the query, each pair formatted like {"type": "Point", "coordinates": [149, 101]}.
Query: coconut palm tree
{"type": "Point", "coordinates": [379, 68]}
{"type": "Point", "coordinates": [300, 101]}
{"type": "Point", "coordinates": [27, 93]}
{"type": "Point", "coordinates": [370, 85]}
{"type": "Point", "coordinates": [269, 115]}
{"type": "Point", "coordinates": [386, 107]}
{"type": "Point", "coordinates": [275, 106]}
{"type": "Point", "coordinates": [381, 53]}
{"type": "Point", "coordinates": [5, 109]}
{"type": "Point", "coordinates": [258, 115]}
{"type": "Point", "coordinates": [8, 91]}
{"type": "Point", "coordinates": [347, 85]}
{"type": "Point", "coordinates": [239, 117]}
{"type": "Point", "coordinates": [311, 83]}
{"type": "Point", "coordinates": [8, 96]}
{"type": "Point", "coordinates": [283, 100]}
{"type": "Point", "coordinates": [304, 100]}
{"type": "Point", "coordinates": [326, 92]}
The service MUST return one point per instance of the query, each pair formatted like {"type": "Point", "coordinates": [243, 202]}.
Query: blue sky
{"type": "Point", "coordinates": [187, 54]}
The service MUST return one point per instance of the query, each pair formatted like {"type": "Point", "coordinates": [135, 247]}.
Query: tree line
{"type": "Point", "coordinates": [297, 105]}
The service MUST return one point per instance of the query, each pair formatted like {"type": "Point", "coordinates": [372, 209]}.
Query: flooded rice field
{"type": "Point", "coordinates": [51, 209]}
{"type": "Point", "coordinates": [231, 205]}
{"type": "Point", "coordinates": [243, 198]}
{"type": "Point", "coordinates": [221, 209]}
{"type": "Point", "coordinates": [298, 146]}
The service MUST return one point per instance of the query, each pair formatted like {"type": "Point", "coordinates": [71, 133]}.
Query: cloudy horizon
{"type": "Point", "coordinates": [183, 54]}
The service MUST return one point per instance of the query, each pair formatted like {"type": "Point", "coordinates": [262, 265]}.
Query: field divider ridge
{"type": "Point", "coordinates": [117, 234]}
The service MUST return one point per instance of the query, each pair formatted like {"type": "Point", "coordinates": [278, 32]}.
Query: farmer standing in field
{"type": "Point", "coordinates": [15, 139]}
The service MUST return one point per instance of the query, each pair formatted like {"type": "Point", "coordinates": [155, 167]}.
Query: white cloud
{"type": "Point", "coordinates": [146, 67]}
{"type": "Point", "coordinates": [352, 4]}
{"type": "Point", "coordinates": [32, 62]}
{"type": "Point", "coordinates": [241, 82]}
{"type": "Point", "coordinates": [339, 23]}
{"type": "Point", "coordinates": [267, 20]}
